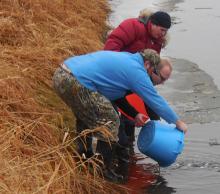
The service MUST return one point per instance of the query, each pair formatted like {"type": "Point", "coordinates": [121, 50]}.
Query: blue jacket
{"type": "Point", "coordinates": [108, 73]}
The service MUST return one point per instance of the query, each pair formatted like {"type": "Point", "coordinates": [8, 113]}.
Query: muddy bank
{"type": "Point", "coordinates": [192, 93]}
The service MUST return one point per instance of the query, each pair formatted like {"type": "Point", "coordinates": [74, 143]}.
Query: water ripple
{"type": "Point", "coordinates": [189, 164]}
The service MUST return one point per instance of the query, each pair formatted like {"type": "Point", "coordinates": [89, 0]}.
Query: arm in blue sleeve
{"type": "Point", "coordinates": [145, 89]}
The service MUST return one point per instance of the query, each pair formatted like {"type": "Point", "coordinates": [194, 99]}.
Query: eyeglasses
{"type": "Point", "coordinates": [157, 73]}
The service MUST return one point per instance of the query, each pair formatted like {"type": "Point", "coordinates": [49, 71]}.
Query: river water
{"type": "Point", "coordinates": [192, 91]}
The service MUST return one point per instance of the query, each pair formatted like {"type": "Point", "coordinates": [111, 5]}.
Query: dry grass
{"type": "Point", "coordinates": [35, 36]}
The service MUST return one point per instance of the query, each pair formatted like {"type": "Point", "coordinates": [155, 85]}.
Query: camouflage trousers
{"type": "Point", "coordinates": [91, 109]}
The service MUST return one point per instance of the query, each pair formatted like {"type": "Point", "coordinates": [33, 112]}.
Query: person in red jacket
{"type": "Point", "coordinates": [136, 34]}
{"type": "Point", "coordinates": [133, 35]}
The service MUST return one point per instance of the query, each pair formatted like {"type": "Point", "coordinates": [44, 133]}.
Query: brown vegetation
{"type": "Point", "coordinates": [35, 36]}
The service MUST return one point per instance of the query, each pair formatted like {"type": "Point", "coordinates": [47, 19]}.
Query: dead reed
{"type": "Point", "coordinates": [35, 36]}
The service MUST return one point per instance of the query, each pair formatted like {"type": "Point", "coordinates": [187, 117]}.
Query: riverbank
{"type": "Point", "coordinates": [36, 128]}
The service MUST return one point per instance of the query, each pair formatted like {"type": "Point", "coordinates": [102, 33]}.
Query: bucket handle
{"type": "Point", "coordinates": [181, 144]}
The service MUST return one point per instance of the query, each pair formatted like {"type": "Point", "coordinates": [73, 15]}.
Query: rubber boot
{"type": "Point", "coordinates": [123, 139]}
{"type": "Point", "coordinates": [84, 145]}
{"type": "Point", "coordinates": [122, 153]}
{"type": "Point", "coordinates": [129, 128]}
{"type": "Point", "coordinates": [123, 156]}
{"type": "Point", "coordinates": [107, 151]}
{"type": "Point", "coordinates": [126, 134]}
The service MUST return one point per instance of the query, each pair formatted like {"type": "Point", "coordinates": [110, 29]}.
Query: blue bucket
{"type": "Point", "coordinates": [161, 142]}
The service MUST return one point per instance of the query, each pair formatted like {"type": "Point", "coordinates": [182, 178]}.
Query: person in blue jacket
{"type": "Point", "coordinates": [89, 84]}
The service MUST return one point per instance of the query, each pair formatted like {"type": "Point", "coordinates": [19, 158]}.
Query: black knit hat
{"type": "Point", "coordinates": [161, 18]}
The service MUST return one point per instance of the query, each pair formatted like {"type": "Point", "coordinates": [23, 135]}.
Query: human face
{"type": "Point", "coordinates": [160, 76]}
{"type": "Point", "coordinates": [158, 32]}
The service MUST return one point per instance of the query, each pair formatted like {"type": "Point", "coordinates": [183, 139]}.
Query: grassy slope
{"type": "Point", "coordinates": [35, 36]}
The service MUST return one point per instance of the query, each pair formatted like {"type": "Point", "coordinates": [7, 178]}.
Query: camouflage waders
{"type": "Point", "coordinates": [90, 108]}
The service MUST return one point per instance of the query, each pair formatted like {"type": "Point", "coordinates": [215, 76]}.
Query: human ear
{"type": "Point", "coordinates": [147, 64]}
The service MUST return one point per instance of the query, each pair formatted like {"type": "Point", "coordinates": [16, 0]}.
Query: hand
{"type": "Point", "coordinates": [181, 126]}
{"type": "Point", "coordinates": [140, 119]}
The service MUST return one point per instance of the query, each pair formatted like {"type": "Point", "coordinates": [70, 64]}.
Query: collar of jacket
{"type": "Point", "coordinates": [143, 20]}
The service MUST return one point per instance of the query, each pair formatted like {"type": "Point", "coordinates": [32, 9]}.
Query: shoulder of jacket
{"type": "Point", "coordinates": [132, 23]}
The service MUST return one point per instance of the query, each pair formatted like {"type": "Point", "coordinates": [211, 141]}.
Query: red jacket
{"type": "Point", "coordinates": [132, 36]}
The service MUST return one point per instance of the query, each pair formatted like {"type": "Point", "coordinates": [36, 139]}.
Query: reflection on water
{"type": "Point", "coordinates": [141, 176]}
{"type": "Point", "coordinates": [145, 178]}
{"type": "Point", "coordinates": [160, 187]}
